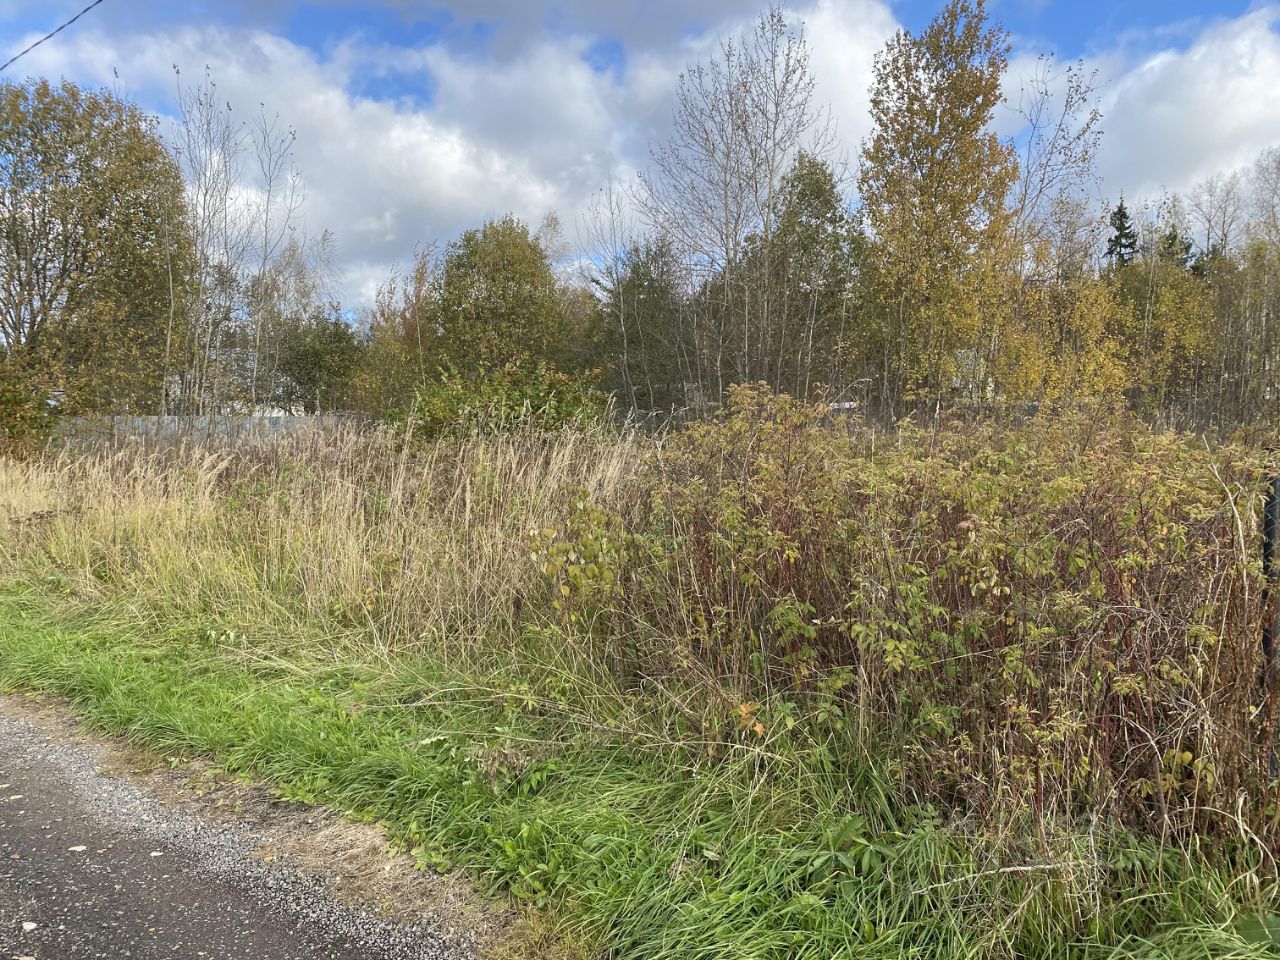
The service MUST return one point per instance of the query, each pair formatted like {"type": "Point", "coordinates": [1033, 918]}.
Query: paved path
{"type": "Point", "coordinates": [93, 867]}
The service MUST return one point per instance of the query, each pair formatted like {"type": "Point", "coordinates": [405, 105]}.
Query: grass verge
{"type": "Point", "coordinates": [631, 847]}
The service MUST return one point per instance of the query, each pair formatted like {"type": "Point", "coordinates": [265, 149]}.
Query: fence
{"type": "Point", "coordinates": [220, 429]}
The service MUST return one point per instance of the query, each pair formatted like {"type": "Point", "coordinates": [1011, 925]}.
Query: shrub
{"type": "Point", "coordinates": [1043, 622]}
{"type": "Point", "coordinates": [509, 397]}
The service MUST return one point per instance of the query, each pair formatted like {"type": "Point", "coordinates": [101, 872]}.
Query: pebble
{"type": "Point", "coordinates": [224, 851]}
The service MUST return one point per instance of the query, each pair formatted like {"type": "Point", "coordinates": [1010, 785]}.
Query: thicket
{"type": "Point", "coordinates": [512, 397]}
{"type": "Point", "coordinates": [1023, 625]}
{"type": "Point", "coordinates": [955, 691]}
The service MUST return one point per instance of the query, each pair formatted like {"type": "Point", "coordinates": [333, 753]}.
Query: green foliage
{"type": "Point", "coordinates": [1122, 245]}
{"type": "Point", "coordinates": [775, 685]}
{"type": "Point", "coordinates": [28, 412]}
{"type": "Point", "coordinates": [93, 248]}
{"type": "Point", "coordinates": [317, 360]}
{"type": "Point", "coordinates": [615, 836]}
{"type": "Point", "coordinates": [498, 301]}
{"type": "Point", "coordinates": [504, 399]}
{"type": "Point", "coordinates": [749, 500]}
{"type": "Point", "coordinates": [644, 339]}
{"type": "Point", "coordinates": [1026, 612]}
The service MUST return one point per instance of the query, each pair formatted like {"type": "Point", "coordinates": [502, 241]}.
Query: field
{"type": "Point", "coordinates": [771, 686]}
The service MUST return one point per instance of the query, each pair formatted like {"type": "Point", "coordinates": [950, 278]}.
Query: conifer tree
{"type": "Point", "coordinates": [1123, 245]}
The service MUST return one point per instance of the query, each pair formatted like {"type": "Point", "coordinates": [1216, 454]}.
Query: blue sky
{"type": "Point", "coordinates": [1075, 29]}
{"type": "Point", "coordinates": [417, 119]}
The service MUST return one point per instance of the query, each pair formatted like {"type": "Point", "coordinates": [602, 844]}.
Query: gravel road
{"type": "Point", "coordinates": [95, 866]}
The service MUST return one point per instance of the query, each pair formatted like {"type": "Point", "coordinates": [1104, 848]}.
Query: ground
{"type": "Point", "coordinates": [108, 852]}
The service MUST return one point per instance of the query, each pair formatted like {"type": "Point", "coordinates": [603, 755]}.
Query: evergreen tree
{"type": "Point", "coordinates": [318, 358]}
{"type": "Point", "coordinates": [1123, 245]}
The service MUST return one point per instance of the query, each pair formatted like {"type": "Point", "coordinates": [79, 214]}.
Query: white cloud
{"type": "Point", "coordinates": [535, 131]}
{"type": "Point", "coordinates": [844, 37]}
{"type": "Point", "coordinates": [1177, 116]}
{"type": "Point", "coordinates": [532, 127]}
{"type": "Point", "coordinates": [382, 175]}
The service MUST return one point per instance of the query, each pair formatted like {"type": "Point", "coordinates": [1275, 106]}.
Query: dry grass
{"type": "Point", "coordinates": [369, 539]}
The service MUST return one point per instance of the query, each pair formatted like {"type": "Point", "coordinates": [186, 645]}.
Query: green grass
{"type": "Point", "coordinates": [632, 846]}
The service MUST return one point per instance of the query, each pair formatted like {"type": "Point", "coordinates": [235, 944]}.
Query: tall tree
{"type": "Point", "coordinates": [1122, 245]}
{"type": "Point", "coordinates": [641, 306]}
{"type": "Point", "coordinates": [712, 191]}
{"type": "Point", "coordinates": [934, 181]}
{"type": "Point", "coordinates": [499, 300]}
{"type": "Point", "coordinates": [93, 253]}
{"type": "Point", "coordinates": [401, 336]}
{"type": "Point", "coordinates": [816, 258]}
{"type": "Point", "coordinates": [244, 194]}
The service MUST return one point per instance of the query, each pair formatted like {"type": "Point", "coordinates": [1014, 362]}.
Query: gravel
{"type": "Point", "coordinates": [102, 868]}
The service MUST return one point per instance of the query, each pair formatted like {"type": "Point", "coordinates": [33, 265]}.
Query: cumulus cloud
{"type": "Point", "coordinates": [844, 38]}
{"type": "Point", "coordinates": [531, 126]}
{"type": "Point", "coordinates": [1179, 115]}
{"type": "Point", "coordinates": [382, 175]}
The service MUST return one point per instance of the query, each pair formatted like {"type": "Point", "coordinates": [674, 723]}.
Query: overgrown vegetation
{"type": "Point", "coordinates": [770, 687]}
{"type": "Point", "coordinates": [509, 398]}
{"type": "Point", "coordinates": [975, 673]}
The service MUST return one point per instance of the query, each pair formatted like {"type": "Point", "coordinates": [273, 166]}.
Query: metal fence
{"type": "Point", "coordinates": [219, 429]}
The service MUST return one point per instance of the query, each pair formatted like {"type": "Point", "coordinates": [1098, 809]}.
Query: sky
{"type": "Point", "coordinates": [417, 119]}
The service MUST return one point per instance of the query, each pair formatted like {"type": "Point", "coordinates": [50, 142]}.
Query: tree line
{"type": "Point", "coordinates": [944, 266]}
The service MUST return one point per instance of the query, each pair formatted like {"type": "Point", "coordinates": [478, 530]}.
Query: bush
{"type": "Point", "coordinates": [463, 404]}
{"type": "Point", "coordinates": [1045, 622]}
{"type": "Point", "coordinates": [27, 416]}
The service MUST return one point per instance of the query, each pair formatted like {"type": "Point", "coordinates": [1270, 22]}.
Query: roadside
{"type": "Point", "coordinates": [109, 852]}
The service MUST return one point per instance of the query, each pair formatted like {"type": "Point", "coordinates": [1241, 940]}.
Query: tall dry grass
{"type": "Point", "coordinates": [351, 535]}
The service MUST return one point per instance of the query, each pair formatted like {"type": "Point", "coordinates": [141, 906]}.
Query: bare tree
{"type": "Point", "coordinates": [1218, 209]}
{"type": "Point", "coordinates": [740, 120]}
{"type": "Point", "coordinates": [210, 145]}
{"type": "Point", "coordinates": [1264, 195]}
{"type": "Point", "coordinates": [279, 197]}
{"type": "Point", "coordinates": [244, 193]}
{"type": "Point", "coordinates": [1060, 135]}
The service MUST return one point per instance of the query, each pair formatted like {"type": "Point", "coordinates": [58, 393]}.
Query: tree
{"type": "Point", "coordinates": [817, 254]}
{"type": "Point", "coordinates": [934, 182]}
{"type": "Point", "coordinates": [1218, 207]}
{"type": "Point", "coordinates": [400, 334]}
{"type": "Point", "coordinates": [244, 195]}
{"type": "Point", "coordinates": [1122, 246]}
{"type": "Point", "coordinates": [1175, 247]}
{"type": "Point", "coordinates": [317, 361]}
{"type": "Point", "coordinates": [1264, 195]}
{"type": "Point", "coordinates": [498, 300]}
{"type": "Point", "coordinates": [640, 303]}
{"type": "Point", "coordinates": [1060, 138]}
{"type": "Point", "coordinates": [93, 255]}
{"type": "Point", "coordinates": [712, 190]}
